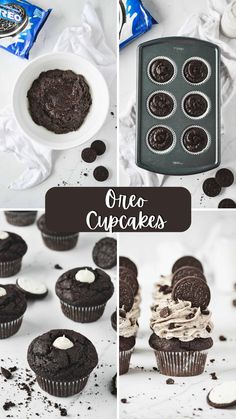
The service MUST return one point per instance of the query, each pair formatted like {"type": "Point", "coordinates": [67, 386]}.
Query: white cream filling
{"type": "Point", "coordinates": [85, 275]}
{"type": "Point", "coordinates": [62, 342]}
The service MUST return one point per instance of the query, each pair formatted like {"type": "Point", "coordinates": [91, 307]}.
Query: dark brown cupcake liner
{"type": "Point", "coordinates": [181, 364]}
{"type": "Point", "coordinates": [165, 58]}
{"type": "Point", "coordinates": [10, 268]}
{"type": "Point", "coordinates": [8, 329]}
{"type": "Point", "coordinates": [60, 243]}
{"type": "Point", "coordinates": [124, 361]}
{"type": "Point", "coordinates": [62, 388]}
{"type": "Point", "coordinates": [208, 67]}
{"type": "Point", "coordinates": [82, 314]}
{"type": "Point", "coordinates": [22, 219]}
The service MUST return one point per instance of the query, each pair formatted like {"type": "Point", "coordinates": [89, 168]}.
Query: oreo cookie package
{"type": "Point", "coordinates": [20, 24]}
{"type": "Point", "coordinates": [134, 20]}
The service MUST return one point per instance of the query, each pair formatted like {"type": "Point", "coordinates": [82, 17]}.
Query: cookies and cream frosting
{"type": "Point", "coordinates": [164, 281]}
{"type": "Point", "coordinates": [127, 326]}
{"type": "Point", "coordinates": [180, 320]}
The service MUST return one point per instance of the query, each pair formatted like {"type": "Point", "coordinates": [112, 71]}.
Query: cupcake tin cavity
{"type": "Point", "coordinates": [178, 89]}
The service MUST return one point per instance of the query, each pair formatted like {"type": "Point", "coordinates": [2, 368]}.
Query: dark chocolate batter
{"type": "Point", "coordinates": [59, 100]}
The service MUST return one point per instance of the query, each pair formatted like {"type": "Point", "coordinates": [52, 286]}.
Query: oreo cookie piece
{"type": "Point", "coordinates": [130, 278]}
{"type": "Point", "coordinates": [195, 105]}
{"type": "Point", "coordinates": [223, 395]}
{"type": "Point", "coordinates": [194, 290]}
{"type": "Point", "coordinates": [128, 263]}
{"type": "Point", "coordinates": [126, 296]}
{"type": "Point", "coordinates": [187, 261]}
{"type": "Point", "coordinates": [101, 173]}
{"type": "Point", "coordinates": [33, 290]}
{"type": "Point", "coordinates": [105, 253]}
{"type": "Point", "coordinates": [195, 71]}
{"type": "Point", "coordinates": [224, 177]}
{"type": "Point", "coordinates": [211, 187]}
{"type": "Point", "coordinates": [227, 203]}
{"type": "Point", "coordinates": [114, 320]}
{"type": "Point", "coordinates": [195, 139]}
{"type": "Point", "coordinates": [13, 19]}
{"type": "Point", "coordinates": [160, 104]}
{"type": "Point", "coordinates": [160, 138]}
{"type": "Point", "coordinates": [187, 271]}
{"type": "Point", "coordinates": [161, 70]}
{"type": "Point", "coordinates": [89, 155]}
{"type": "Point", "coordinates": [98, 146]}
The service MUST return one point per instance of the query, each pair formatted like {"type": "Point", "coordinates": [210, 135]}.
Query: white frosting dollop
{"type": "Point", "coordinates": [31, 286]}
{"type": "Point", "coordinates": [62, 342]}
{"type": "Point", "coordinates": [2, 292]}
{"type": "Point", "coordinates": [3, 235]}
{"type": "Point", "coordinates": [84, 275]}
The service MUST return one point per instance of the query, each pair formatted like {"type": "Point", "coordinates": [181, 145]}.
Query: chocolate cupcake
{"type": "Point", "coordinates": [161, 104]}
{"type": "Point", "coordinates": [195, 105]}
{"type": "Point", "coordinates": [56, 240]}
{"type": "Point", "coordinates": [196, 71]}
{"type": "Point", "coordinates": [20, 218]}
{"type": "Point", "coordinates": [161, 70]}
{"type": "Point", "coordinates": [12, 250]}
{"type": "Point", "coordinates": [195, 140]}
{"type": "Point", "coordinates": [62, 361]}
{"type": "Point", "coordinates": [160, 139]}
{"type": "Point", "coordinates": [12, 308]}
{"type": "Point", "coordinates": [83, 293]}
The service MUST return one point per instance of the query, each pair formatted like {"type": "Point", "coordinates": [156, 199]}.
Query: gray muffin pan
{"type": "Point", "coordinates": [177, 160]}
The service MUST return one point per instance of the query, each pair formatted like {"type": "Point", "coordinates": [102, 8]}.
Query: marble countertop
{"type": "Point", "coordinates": [41, 316]}
{"type": "Point", "coordinates": [68, 167]}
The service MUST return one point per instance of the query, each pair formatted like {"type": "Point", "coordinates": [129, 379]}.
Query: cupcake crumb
{"type": "Point", "coordinates": [213, 376]}
{"type": "Point", "coordinates": [222, 338]}
{"type": "Point", "coordinates": [57, 266]}
{"type": "Point", "coordinates": [170, 381]}
{"type": "Point", "coordinates": [63, 411]}
{"type": "Point", "coordinates": [123, 400]}
{"type": "Point", "coordinates": [8, 405]}
{"type": "Point", "coordinates": [6, 373]}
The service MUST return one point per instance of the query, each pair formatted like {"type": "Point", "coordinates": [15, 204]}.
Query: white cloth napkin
{"type": "Point", "coordinates": [88, 41]}
{"type": "Point", "coordinates": [205, 27]}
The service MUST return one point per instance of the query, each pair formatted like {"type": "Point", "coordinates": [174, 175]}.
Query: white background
{"type": "Point", "coordinates": [67, 164]}
{"type": "Point", "coordinates": [42, 316]}
{"type": "Point", "coordinates": [171, 15]}
{"type": "Point", "coordinates": [146, 391]}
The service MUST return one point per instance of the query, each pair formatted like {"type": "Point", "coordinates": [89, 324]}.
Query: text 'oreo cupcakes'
{"type": "Point", "coordinates": [12, 250]}
{"type": "Point", "coordinates": [56, 240]}
{"type": "Point", "coordinates": [21, 218]}
{"type": "Point", "coordinates": [62, 361]}
{"type": "Point", "coordinates": [83, 293]}
{"type": "Point", "coordinates": [12, 308]}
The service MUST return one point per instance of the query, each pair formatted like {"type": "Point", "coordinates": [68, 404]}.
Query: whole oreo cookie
{"type": "Point", "coordinates": [224, 177]}
{"type": "Point", "coordinates": [13, 19]}
{"type": "Point", "coordinates": [161, 70]}
{"type": "Point", "coordinates": [105, 253]}
{"type": "Point", "coordinates": [99, 147]}
{"type": "Point", "coordinates": [130, 278]}
{"type": "Point", "coordinates": [194, 290]}
{"type": "Point", "coordinates": [128, 263]}
{"type": "Point", "coordinates": [195, 71]}
{"type": "Point", "coordinates": [187, 261]}
{"type": "Point", "coordinates": [160, 104]}
{"type": "Point", "coordinates": [195, 105]}
{"type": "Point", "coordinates": [227, 203]}
{"type": "Point", "coordinates": [195, 139]}
{"type": "Point", "coordinates": [89, 155]}
{"type": "Point", "coordinates": [211, 187]}
{"type": "Point", "coordinates": [160, 138]}
{"type": "Point", "coordinates": [101, 173]}
{"type": "Point", "coordinates": [187, 271]}
{"type": "Point", "coordinates": [126, 296]}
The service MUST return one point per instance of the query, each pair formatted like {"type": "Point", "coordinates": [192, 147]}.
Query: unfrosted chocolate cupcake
{"type": "Point", "coordinates": [20, 218]}
{"type": "Point", "coordinates": [195, 71]}
{"type": "Point", "coordinates": [195, 139]}
{"type": "Point", "coordinates": [160, 139]}
{"type": "Point", "coordinates": [62, 361]}
{"type": "Point", "coordinates": [195, 105]}
{"type": "Point", "coordinates": [83, 293]}
{"type": "Point", "coordinates": [12, 250]}
{"type": "Point", "coordinates": [12, 308]}
{"type": "Point", "coordinates": [161, 70]}
{"type": "Point", "coordinates": [161, 104]}
{"type": "Point", "coordinates": [56, 240]}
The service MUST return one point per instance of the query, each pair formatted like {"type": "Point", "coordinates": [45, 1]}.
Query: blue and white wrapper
{"type": "Point", "coordinates": [20, 24]}
{"type": "Point", "coordinates": [134, 20]}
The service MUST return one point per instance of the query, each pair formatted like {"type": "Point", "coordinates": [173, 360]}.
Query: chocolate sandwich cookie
{"type": "Point", "coordinates": [12, 250]}
{"type": "Point", "coordinates": [195, 71]}
{"type": "Point", "coordinates": [20, 218]}
{"type": "Point", "coordinates": [114, 321]}
{"type": "Point", "coordinates": [187, 261]}
{"type": "Point", "coordinates": [105, 253]}
{"type": "Point", "coordinates": [88, 155]}
{"type": "Point", "coordinates": [195, 139]}
{"type": "Point", "coordinates": [161, 70]}
{"type": "Point", "coordinates": [13, 19]}
{"type": "Point", "coordinates": [99, 147]}
{"type": "Point", "coordinates": [130, 278]}
{"type": "Point", "coordinates": [33, 290]}
{"type": "Point", "coordinates": [224, 177]}
{"type": "Point", "coordinates": [187, 271]}
{"type": "Point", "coordinates": [101, 173]}
{"type": "Point", "coordinates": [195, 105]}
{"type": "Point", "coordinates": [59, 100]}
{"type": "Point", "coordinates": [194, 290]}
{"type": "Point", "coordinates": [128, 263]}
{"type": "Point", "coordinates": [211, 187]}
{"type": "Point", "coordinates": [126, 296]}
{"type": "Point", "coordinates": [223, 395]}
{"type": "Point", "coordinates": [160, 138]}
{"type": "Point", "coordinates": [227, 203]}
{"type": "Point", "coordinates": [161, 104]}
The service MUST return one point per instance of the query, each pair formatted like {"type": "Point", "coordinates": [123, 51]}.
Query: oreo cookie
{"type": "Point", "coordinates": [13, 19]}
{"type": "Point", "coordinates": [130, 278]}
{"type": "Point", "coordinates": [187, 271]}
{"type": "Point", "coordinates": [194, 290]}
{"type": "Point", "coordinates": [105, 253]}
{"type": "Point", "coordinates": [99, 146]}
{"type": "Point", "coordinates": [126, 296]}
{"type": "Point", "coordinates": [223, 395]}
{"type": "Point", "coordinates": [128, 263]}
{"type": "Point", "coordinates": [227, 203]}
{"type": "Point", "coordinates": [211, 187]}
{"type": "Point", "coordinates": [187, 261]}
{"type": "Point", "coordinates": [101, 173]}
{"type": "Point", "coordinates": [224, 177]}
{"type": "Point", "coordinates": [88, 155]}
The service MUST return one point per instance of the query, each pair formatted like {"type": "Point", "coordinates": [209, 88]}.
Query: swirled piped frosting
{"type": "Point", "coordinates": [127, 326]}
{"type": "Point", "coordinates": [180, 320]}
{"type": "Point", "coordinates": [163, 283]}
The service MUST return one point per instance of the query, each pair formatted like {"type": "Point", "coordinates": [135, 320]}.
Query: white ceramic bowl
{"type": "Point", "coordinates": [97, 113]}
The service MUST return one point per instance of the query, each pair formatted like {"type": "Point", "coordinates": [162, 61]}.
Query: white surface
{"type": "Point", "coordinates": [171, 15]}
{"type": "Point", "coordinates": [97, 112]}
{"type": "Point", "coordinates": [44, 315]}
{"type": "Point", "coordinates": [68, 166]}
{"type": "Point", "coordinates": [146, 391]}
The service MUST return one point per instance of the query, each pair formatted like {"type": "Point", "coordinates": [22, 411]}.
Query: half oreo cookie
{"type": "Point", "coordinates": [187, 271]}
{"type": "Point", "coordinates": [223, 395]}
{"type": "Point", "coordinates": [187, 261]}
{"type": "Point", "coordinates": [33, 290]}
{"type": "Point", "coordinates": [105, 253]}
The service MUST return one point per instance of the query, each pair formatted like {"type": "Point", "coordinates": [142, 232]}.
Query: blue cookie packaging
{"type": "Point", "coordinates": [20, 24]}
{"type": "Point", "coordinates": [134, 20]}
